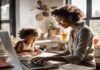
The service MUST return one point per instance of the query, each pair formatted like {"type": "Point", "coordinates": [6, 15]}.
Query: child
{"type": "Point", "coordinates": [26, 46]}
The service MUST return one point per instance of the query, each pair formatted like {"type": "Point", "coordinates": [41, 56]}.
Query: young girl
{"type": "Point", "coordinates": [26, 45]}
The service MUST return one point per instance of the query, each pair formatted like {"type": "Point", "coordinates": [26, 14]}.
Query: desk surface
{"type": "Point", "coordinates": [97, 60]}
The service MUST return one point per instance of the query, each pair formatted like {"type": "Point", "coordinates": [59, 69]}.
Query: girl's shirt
{"type": "Point", "coordinates": [22, 47]}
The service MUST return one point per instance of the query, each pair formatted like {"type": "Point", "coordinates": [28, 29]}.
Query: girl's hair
{"type": "Point", "coordinates": [24, 33]}
{"type": "Point", "coordinates": [69, 11]}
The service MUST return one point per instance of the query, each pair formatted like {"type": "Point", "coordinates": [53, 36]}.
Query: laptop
{"type": "Point", "coordinates": [14, 60]}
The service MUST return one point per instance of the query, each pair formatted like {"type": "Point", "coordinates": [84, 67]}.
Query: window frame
{"type": "Point", "coordinates": [12, 17]}
{"type": "Point", "coordinates": [88, 12]}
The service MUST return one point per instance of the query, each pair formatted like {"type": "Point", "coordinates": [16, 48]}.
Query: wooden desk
{"type": "Point", "coordinates": [97, 63]}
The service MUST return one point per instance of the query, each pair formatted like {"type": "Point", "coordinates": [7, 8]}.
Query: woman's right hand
{"type": "Point", "coordinates": [38, 61]}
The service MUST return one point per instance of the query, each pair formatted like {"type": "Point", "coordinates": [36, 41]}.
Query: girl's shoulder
{"type": "Point", "coordinates": [19, 43]}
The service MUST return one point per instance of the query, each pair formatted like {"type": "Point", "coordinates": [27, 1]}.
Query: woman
{"type": "Point", "coordinates": [26, 45]}
{"type": "Point", "coordinates": [80, 49]}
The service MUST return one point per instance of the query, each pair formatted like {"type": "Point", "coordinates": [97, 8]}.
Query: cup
{"type": "Point", "coordinates": [64, 36]}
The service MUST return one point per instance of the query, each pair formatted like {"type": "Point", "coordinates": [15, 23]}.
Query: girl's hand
{"type": "Point", "coordinates": [37, 51]}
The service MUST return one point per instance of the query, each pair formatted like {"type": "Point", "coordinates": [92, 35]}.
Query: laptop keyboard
{"type": "Point", "coordinates": [46, 66]}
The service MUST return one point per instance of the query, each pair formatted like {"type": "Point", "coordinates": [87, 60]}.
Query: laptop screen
{"type": "Point", "coordinates": [12, 56]}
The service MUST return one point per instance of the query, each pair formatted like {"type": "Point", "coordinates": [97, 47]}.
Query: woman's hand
{"type": "Point", "coordinates": [38, 61]}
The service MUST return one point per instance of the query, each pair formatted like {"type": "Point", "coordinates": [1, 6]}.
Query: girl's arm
{"type": "Point", "coordinates": [19, 47]}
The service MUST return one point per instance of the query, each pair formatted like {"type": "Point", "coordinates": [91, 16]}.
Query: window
{"type": "Point", "coordinates": [95, 26]}
{"type": "Point", "coordinates": [7, 16]}
{"type": "Point", "coordinates": [5, 10]}
{"type": "Point", "coordinates": [81, 4]}
{"type": "Point", "coordinates": [95, 8]}
{"type": "Point", "coordinates": [5, 27]}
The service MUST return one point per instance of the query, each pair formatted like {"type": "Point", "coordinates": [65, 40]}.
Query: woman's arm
{"type": "Point", "coordinates": [55, 58]}
{"type": "Point", "coordinates": [63, 54]}
{"type": "Point", "coordinates": [82, 46]}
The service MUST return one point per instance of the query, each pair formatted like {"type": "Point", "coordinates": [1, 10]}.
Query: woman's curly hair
{"type": "Point", "coordinates": [69, 11]}
{"type": "Point", "coordinates": [24, 33]}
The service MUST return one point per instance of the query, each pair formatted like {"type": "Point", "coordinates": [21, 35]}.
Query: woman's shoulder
{"type": "Point", "coordinates": [82, 28]}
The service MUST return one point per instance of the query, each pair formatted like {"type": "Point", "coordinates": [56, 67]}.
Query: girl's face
{"type": "Point", "coordinates": [31, 39]}
{"type": "Point", "coordinates": [63, 22]}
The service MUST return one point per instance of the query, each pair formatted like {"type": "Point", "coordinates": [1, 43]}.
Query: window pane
{"type": "Point", "coordinates": [5, 27]}
{"type": "Point", "coordinates": [95, 8]}
{"type": "Point", "coordinates": [5, 10]}
{"type": "Point", "coordinates": [81, 4]}
{"type": "Point", "coordinates": [95, 26]}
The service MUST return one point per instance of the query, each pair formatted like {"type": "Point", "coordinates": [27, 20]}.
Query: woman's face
{"type": "Point", "coordinates": [63, 22]}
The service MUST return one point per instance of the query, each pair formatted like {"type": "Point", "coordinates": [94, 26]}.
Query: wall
{"type": "Point", "coordinates": [54, 2]}
{"type": "Point", "coordinates": [24, 13]}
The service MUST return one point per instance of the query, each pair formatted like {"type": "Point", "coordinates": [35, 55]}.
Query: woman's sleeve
{"type": "Point", "coordinates": [81, 49]}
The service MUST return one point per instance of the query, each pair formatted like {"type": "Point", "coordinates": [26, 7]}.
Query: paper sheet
{"type": "Point", "coordinates": [75, 67]}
